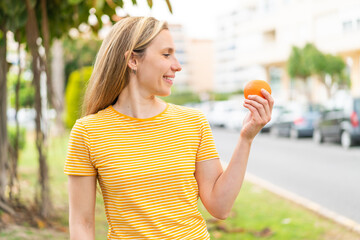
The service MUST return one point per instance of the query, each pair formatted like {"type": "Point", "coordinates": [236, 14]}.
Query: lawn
{"type": "Point", "coordinates": [257, 213]}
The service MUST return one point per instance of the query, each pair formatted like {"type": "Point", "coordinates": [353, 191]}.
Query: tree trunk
{"type": "Point", "coordinates": [32, 34]}
{"type": "Point", "coordinates": [308, 90]}
{"type": "Point", "coordinates": [3, 116]}
{"type": "Point", "coordinates": [14, 181]}
{"type": "Point", "coordinates": [328, 85]}
{"type": "Point", "coordinates": [58, 77]}
{"type": "Point", "coordinates": [54, 99]}
{"type": "Point", "coordinates": [328, 91]}
{"type": "Point", "coordinates": [46, 42]}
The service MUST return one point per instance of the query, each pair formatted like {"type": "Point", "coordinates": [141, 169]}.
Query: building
{"type": "Point", "coordinates": [201, 66]}
{"type": "Point", "coordinates": [180, 41]}
{"type": "Point", "coordinates": [196, 57]}
{"type": "Point", "coordinates": [255, 40]}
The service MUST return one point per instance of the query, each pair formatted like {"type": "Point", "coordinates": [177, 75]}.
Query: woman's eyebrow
{"type": "Point", "coordinates": [170, 49]}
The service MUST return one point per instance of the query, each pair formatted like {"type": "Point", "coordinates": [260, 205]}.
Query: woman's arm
{"type": "Point", "coordinates": [218, 189]}
{"type": "Point", "coordinates": [82, 196]}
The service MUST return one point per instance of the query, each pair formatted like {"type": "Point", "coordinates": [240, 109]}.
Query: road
{"type": "Point", "coordinates": [325, 174]}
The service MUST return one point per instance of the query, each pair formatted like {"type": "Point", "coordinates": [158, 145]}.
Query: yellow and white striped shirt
{"type": "Point", "coordinates": [145, 169]}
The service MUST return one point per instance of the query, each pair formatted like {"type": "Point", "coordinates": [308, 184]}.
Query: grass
{"type": "Point", "coordinates": [257, 213]}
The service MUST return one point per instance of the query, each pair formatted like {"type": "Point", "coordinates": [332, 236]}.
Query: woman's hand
{"type": "Point", "coordinates": [259, 115]}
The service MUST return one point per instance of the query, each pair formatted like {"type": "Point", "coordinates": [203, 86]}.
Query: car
{"type": "Point", "coordinates": [221, 110]}
{"type": "Point", "coordinates": [296, 121]}
{"type": "Point", "coordinates": [276, 111]}
{"type": "Point", "coordinates": [235, 118]}
{"type": "Point", "coordinates": [340, 124]}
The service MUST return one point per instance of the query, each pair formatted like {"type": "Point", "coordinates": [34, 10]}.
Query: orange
{"type": "Point", "coordinates": [254, 88]}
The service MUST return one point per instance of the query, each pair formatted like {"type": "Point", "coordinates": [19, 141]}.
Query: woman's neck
{"type": "Point", "coordinates": [136, 105]}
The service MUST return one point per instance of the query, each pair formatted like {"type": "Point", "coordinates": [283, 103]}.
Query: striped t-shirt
{"type": "Point", "coordinates": [145, 168]}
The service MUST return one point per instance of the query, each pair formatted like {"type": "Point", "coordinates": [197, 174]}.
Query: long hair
{"type": "Point", "coordinates": [111, 73]}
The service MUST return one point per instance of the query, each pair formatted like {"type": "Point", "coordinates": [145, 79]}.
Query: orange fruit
{"type": "Point", "coordinates": [254, 88]}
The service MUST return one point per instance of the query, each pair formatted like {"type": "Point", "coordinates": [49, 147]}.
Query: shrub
{"type": "Point", "coordinates": [74, 94]}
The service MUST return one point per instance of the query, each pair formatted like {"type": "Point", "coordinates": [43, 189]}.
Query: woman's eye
{"type": "Point", "coordinates": [166, 55]}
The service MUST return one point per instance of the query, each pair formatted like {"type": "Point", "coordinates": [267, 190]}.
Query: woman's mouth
{"type": "Point", "coordinates": [169, 80]}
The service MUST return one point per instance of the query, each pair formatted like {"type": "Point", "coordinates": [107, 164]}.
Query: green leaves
{"type": "Point", "coordinates": [14, 14]}
{"type": "Point", "coordinates": [308, 61]}
{"type": "Point", "coordinates": [150, 3]}
{"type": "Point", "coordinates": [74, 2]}
{"type": "Point", "coordinates": [120, 3]}
{"type": "Point", "coordinates": [11, 8]}
{"type": "Point", "coordinates": [297, 64]}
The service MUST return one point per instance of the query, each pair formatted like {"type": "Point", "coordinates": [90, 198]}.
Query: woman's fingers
{"type": "Point", "coordinates": [258, 106]}
{"type": "Point", "coordinates": [269, 98]}
{"type": "Point", "coordinates": [254, 112]}
{"type": "Point", "coordinates": [262, 105]}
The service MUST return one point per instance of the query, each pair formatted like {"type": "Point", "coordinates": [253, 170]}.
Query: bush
{"type": "Point", "coordinates": [12, 135]}
{"type": "Point", "coordinates": [74, 95]}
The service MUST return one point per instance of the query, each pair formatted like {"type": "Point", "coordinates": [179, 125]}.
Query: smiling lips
{"type": "Point", "coordinates": [169, 79]}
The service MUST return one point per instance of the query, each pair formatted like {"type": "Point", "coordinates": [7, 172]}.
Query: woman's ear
{"type": "Point", "coordinates": [133, 61]}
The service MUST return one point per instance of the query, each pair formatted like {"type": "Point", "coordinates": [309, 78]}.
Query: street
{"type": "Point", "coordinates": [327, 174]}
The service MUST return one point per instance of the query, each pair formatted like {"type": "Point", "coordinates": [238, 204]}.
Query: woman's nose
{"type": "Point", "coordinates": [176, 66]}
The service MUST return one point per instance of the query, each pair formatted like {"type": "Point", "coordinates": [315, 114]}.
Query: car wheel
{"type": "Point", "coordinates": [318, 137]}
{"type": "Point", "coordinates": [346, 140]}
{"type": "Point", "coordinates": [294, 134]}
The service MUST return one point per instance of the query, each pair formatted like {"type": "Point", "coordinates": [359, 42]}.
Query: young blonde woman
{"type": "Point", "coordinates": [152, 159]}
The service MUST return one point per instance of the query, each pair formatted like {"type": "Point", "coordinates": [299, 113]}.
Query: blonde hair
{"type": "Point", "coordinates": [111, 73]}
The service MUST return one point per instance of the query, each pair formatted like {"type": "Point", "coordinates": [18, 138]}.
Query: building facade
{"type": "Point", "coordinates": [255, 40]}
{"type": "Point", "coordinates": [201, 65]}
{"type": "Point", "coordinates": [180, 41]}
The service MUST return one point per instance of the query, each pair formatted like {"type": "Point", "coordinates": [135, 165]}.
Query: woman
{"type": "Point", "coordinates": [152, 159]}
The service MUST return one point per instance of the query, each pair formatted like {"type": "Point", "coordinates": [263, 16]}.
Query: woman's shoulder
{"type": "Point", "coordinates": [188, 112]}
{"type": "Point", "coordinates": [185, 109]}
{"type": "Point", "coordinates": [100, 117]}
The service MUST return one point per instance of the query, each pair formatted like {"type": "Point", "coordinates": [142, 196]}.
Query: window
{"type": "Point", "coordinates": [275, 78]}
{"type": "Point", "coordinates": [270, 36]}
{"type": "Point", "coordinates": [347, 26]}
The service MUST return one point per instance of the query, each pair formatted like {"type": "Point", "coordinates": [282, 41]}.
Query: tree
{"type": "Point", "coordinates": [331, 72]}
{"type": "Point", "coordinates": [298, 67]}
{"type": "Point", "coordinates": [328, 68]}
{"type": "Point", "coordinates": [30, 22]}
{"type": "Point", "coordinates": [12, 18]}
{"type": "Point", "coordinates": [310, 61]}
{"type": "Point", "coordinates": [3, 117]}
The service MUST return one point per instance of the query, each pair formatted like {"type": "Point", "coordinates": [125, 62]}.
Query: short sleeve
{"type": "Point", "coordinates": [78, 161]}
{"type": "Point", "coordinates": [207, 149]}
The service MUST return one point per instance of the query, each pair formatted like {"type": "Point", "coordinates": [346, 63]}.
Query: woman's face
{"type": "Point", "coordinates": [156, 70]}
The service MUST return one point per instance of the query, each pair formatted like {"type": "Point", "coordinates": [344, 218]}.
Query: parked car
{"type": "Point", "coordinates": [341, 124]}
{"type": "Point", "coordinates": [277, 110]}
{"type": "Point", "coordinates": [296, 121]}
{"type": "Point", "coordinates": [235, 118]}
{"type": "Point", "coordinates": [221, 110]}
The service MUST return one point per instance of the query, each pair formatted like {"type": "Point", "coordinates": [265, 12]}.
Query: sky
{"type": "Point", "coordinates": [198, 17]}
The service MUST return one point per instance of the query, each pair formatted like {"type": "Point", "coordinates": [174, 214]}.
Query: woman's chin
{"type": "Point", "coordinates": [165, 93]}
